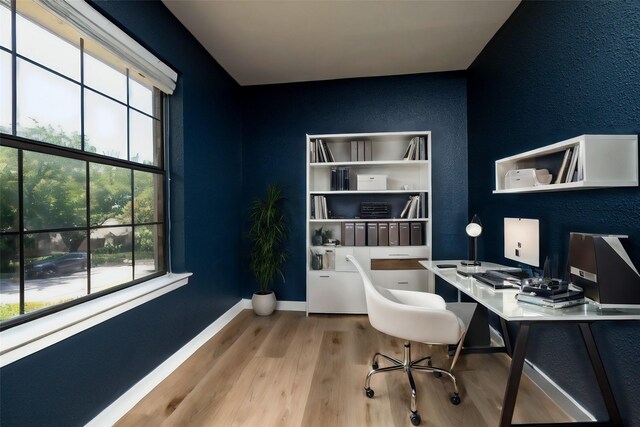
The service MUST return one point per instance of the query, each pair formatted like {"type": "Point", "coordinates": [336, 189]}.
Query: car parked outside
{"type": "Point", "coordinates": [69, 263]}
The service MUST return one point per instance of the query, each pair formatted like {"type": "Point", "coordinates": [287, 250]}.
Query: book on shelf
{"type": "Point", "coordinates": [423, 149]}
{"type": "Point", "coordinates": [367, 150]}
{"type": "Point", "coordinates": [361, 234]}
{"type": "Point", "coordinates": [361, 151]}
{"type": "Point", "coordinates": [414, 149]}
{"type": "Point", "coordinates": [563, 167]}
{"type": "Point", "coordinates": [412, 208]}
{"type": "Point", "coordinates": [572, 165]}
{"type": "Point", "coordinates": [404, 233]}
{"type": "Point", "coordinates": [393, 234]}
{"type": "Point", "coordinates": [334, 179]}
{"type": "Point", "coordinates": [372, 234]}
{"type": "Point", "coordinates": [416, 234]}
{"type": "Point", "coordinates": [405, 210]}
{"type": "Point", "coordinates": [354, 151]}
{"type": "Point", "coordinates": [324, 152]}
{"type": "Point", "coordinates": [348, 234]}
{"type": "Point", "coordinates": [319, 207]}
{"type": "Point", "coordinates": [383, 234]}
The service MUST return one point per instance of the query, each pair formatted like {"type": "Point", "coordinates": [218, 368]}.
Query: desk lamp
{"type": "Point", "coordinates": [473, 230]}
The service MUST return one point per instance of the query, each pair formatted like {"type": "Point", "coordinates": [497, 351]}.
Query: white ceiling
{"type": "Point", "coordinates": [263, 42]}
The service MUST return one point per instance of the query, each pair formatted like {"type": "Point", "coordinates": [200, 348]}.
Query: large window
{"type": "Point", "coordinates": [81, 168]}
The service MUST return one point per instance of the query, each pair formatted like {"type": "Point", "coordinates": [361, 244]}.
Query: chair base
{"type": "Point", "coordinates": [408, 366]}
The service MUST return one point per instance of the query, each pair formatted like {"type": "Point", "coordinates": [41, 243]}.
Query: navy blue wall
{"type": "Point", "coordinates": [70, 382]}
{"type": "Point", "coordinates": [276, 119]}
{"type": "Point", "coordinates": [556, 70]}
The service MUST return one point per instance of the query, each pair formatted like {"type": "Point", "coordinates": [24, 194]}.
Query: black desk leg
{"type": "Point", "coordinates": [601, 376]}
{"type": "Point", "coordinates": [505, 337]}
{"type": "Point", "coordinates": [515, 373]}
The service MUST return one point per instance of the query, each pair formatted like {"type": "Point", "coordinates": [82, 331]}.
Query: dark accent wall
{"type": "Point", "coordinates": [276, 119]}
{"type": "Point", "coordinates": [69, 383]}
{"type": "Point", "coordinates": [556, 70]}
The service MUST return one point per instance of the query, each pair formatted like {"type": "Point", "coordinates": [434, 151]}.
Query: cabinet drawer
{"type": "Point", "coordinates": [399, 252]}
{"type": "Point", "coordinates": [335, 292]}
{"type": "Point", "coordinates": [410, 280]}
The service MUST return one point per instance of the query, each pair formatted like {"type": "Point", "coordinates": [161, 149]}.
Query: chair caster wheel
{"type": "Point", "coordinates": [369, 392]}
{"type": "Point", "coordinates": [374, 365]}
{"type": "Point", "coordinates": [455, 399]}
{"type": "Point", "coordinates": [415, 418]}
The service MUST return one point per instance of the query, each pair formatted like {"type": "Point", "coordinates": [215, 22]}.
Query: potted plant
{"type": "Point", "coordinates": [267, 233]}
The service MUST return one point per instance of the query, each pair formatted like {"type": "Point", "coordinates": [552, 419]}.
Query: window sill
{"type": "Point", "coordinates": [28, 338]}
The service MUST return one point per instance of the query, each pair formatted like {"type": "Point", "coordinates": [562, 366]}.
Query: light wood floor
{"type": "Point", "coordinates": [292, 370]}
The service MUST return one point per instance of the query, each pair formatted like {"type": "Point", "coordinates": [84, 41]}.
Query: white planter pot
{"type": "Point", "coordinates": [263, 305]}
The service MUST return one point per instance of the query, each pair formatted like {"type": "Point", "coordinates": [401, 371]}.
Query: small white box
{"type": "Point", "coordinates": [372, 182]}
{"type": "Point", "coordinates": [521, 178]}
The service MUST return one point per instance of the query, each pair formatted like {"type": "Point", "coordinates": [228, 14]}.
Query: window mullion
{"type": "Point", "coordinates": [14, 71]}
{"type": "Point", "coordinates": [82, 137]}
{"type": "Point", "coordinates": [21, 227]}
{"type": "Point", "coordinates": [133, 224]}
{"type": "Point", "coordinates": [88, 225]}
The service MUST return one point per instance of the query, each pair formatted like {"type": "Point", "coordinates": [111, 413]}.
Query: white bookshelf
{"type": "Point", "coordinates": [603, 161]}
{"type": "Point", "coordinates": [338, 289]}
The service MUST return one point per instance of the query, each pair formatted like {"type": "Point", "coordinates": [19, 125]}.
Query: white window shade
{"type": "Point", "coordinates": [95, 26]}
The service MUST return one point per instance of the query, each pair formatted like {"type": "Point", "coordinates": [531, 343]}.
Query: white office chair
{"type": "Point", "coordinates": [412, 316]}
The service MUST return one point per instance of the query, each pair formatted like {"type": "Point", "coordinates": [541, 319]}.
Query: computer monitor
{"type": "Point", "coordinates": [522, 240]}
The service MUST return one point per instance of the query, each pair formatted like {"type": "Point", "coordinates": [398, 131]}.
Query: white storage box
{"type": "Point", "coordinates": [520, 178]}
{"type": "Point", "coordinates": [372, 182]}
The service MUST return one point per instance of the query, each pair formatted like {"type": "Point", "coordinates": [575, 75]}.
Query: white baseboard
{"type": "Point", "coordinates": [282, 305]}
{"type": "Point", "coordinates": [549, 387]}
{"type": "Point", "coordinates": [111, 414]}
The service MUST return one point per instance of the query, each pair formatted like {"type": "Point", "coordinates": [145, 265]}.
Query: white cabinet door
{"type": "Point", "coordinates": [336, 292]}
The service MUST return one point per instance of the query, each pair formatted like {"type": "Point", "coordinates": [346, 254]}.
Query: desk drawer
{"type": "Point", "coordinates": [397, 264]}
{"type": "Point", "coordinates": [410, 280]}
{"type": "Point", "coordinates": [399, 252]}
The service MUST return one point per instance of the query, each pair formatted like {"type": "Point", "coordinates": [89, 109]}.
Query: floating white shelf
{"type": "Point", "coordinates": [603, 161]}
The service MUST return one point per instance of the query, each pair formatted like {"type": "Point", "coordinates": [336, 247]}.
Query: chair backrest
{"type": "Point", "coordinates": [426, 322]}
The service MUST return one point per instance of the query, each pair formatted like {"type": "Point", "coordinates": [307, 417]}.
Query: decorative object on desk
{"type": "Point", "coordinates": [522, 178]}
{"type": "Point", "coordinates": [473, 230]}
{"type": "Point", "coordinates": [268, 233]}
{"type": "Point", "coordinates": [317, 238]}
{"type": "Point", "coordinates": [601, 266]}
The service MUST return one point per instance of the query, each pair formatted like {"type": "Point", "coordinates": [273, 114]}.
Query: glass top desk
{"type": "Point", "coordinates": [503, 303]}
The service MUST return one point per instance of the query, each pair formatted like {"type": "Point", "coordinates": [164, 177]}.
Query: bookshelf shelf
{"type": "Point", "coordinates": [402, 163]}
{"type": "Point", "coordinates": [341, 220]}
{"type": "Point", "coordinates": [342, 200]}
{"type": "Point", "coordinates": [600, 161]}
{"type": "Point", "coordinates": [329, 192]}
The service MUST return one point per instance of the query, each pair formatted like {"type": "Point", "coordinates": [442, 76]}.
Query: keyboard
{"type": "Point", "coordinates": [498, 279]}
